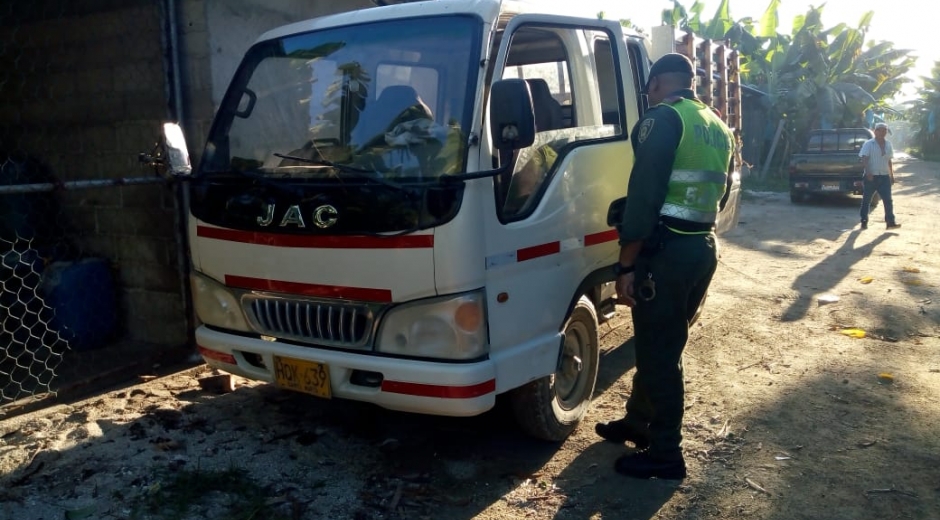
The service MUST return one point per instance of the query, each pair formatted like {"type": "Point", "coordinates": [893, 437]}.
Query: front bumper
{"type": "Point", "coordinates": [827, 185]}
{"type": "Point", "coordinates": [454, 389]}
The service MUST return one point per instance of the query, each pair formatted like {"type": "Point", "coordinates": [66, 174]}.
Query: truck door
{"type": "Point", "coordinates": [546, 231]}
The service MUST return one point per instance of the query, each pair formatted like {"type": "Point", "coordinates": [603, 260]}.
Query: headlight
{"type": "Point", "coordinates": [216, 305]}
{"type": "Point", "coordinates": [453, 327]}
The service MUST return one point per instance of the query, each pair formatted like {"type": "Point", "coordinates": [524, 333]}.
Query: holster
{"type": "Point", "coordinates": [656, 241]}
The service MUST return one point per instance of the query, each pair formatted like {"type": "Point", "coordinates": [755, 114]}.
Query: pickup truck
{"type": "Point", "coordinates": [828, 164]}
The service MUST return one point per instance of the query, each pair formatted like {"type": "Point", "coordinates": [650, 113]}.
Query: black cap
{"type": "Point", "coordinates": [672, 62]}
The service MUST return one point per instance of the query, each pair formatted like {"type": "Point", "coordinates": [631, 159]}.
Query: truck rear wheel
{"type": "Point", "coordinates": [551, 407]}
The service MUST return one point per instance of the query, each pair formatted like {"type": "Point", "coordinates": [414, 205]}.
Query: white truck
{"type": "Point", "coordinates": [408, 205]}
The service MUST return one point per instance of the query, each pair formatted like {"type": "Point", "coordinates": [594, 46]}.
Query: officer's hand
{"type": "Point", "coordinates": [625, 290]}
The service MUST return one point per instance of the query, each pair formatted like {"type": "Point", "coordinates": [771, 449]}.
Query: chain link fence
{"type": "Point", "coordinates": [91, 277]}
{"type": "Point", "coordinates": [32, 347]}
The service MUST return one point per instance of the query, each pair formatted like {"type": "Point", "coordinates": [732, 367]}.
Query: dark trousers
{"type": "Point", "coordinates": [882, 185]}
{"type": "Point", "coordinates": [682, 271]}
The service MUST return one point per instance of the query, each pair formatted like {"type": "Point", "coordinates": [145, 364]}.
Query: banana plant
{"type": "Point", "coordinates": [881, 70]}
{"type": "Point", "coordinates": [814, 76]}
{"type": "Point", "coordinates": [925, 113]}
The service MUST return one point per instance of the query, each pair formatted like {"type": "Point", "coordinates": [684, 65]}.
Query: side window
{"type": "Point", "coordinates": [846, 142]}
{"type": "Point", "coordinates": [855, 141]}
{"type": "Point", "coordinates": [639, 74]}
{"type": "Point", "coordinates": [607, 81]}
{"type": "Point", "coordinates": [815, 143]}
{"type": "Point", "coordinates": [551, 92]}
{"type": "Point", "coordinates": [574, 97]}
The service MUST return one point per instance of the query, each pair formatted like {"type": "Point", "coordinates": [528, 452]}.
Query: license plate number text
{"type": "Point", "coordinates": [303, 376]}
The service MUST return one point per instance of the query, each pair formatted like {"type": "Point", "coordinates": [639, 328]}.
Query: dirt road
{"type": "Point", "coordinates": [787, 417]}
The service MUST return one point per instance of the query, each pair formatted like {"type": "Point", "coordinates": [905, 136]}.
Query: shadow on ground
{"type": "Point", "coordinates": [827, 273]}
{"type": "Point", "coordinates": [839, 447]}
{"type": "Point", "coordinates": [309, 458]}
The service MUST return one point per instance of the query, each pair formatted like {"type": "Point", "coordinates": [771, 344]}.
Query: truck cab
{"type": "Point", "coordinates": [408, 205]}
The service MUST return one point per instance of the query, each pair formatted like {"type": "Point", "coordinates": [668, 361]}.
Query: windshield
{"type": "Point", "coordinates": [391, 100]}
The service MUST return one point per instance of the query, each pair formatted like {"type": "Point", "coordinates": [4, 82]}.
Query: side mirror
{"type": "Point", "coordinates": [177, 155]}
{"type": "Point", "coordinates": [512, 119]}
{"type": "Point", "coordinates": [615, 212]}
{"type": "Point", "coordinates": [169, 157]}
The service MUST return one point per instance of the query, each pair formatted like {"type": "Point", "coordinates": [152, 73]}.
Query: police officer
{"type": "Point", "coordinates": [668, 254]}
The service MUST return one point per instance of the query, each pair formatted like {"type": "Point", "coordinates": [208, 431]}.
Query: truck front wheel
{"type": "Point", "coordinates": [551, 407]}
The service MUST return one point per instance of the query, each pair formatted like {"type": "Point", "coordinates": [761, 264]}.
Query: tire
{"type": "Point", "coordinates": [551, 407]}
{"type": "Point", "coordinates": [796, 197]}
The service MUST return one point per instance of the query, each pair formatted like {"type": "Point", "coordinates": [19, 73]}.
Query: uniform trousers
{"type": "Point", "coordinates": [681, 267]}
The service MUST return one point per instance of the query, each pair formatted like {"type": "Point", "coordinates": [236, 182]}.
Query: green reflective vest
{"type": "Point", "coordinates": [700, 171]}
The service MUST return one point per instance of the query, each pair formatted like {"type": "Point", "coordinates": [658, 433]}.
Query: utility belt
{"type": "Point", "coordinates": [670, 228]}
{"type": "Point", "coordinates": [685, 226]}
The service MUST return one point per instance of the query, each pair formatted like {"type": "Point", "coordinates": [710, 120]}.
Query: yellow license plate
{"type": "Point", "coordinates": [303, 376]}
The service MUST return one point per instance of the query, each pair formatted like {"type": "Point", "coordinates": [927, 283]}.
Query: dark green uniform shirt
{"type": "Point", "coordinates": [655, 140]}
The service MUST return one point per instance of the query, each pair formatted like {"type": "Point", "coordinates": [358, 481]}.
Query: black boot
{"type": "Point", "coordinates": [643, 465]}
{"type": "Point", "coordinates": [624, 430]}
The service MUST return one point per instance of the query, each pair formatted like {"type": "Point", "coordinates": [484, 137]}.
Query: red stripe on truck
{"type": "Point", "coordinates": [599, 238]}
{"type": "Point", "coordinates": [538, 251]}
{"type": "Point", "coordinates": [324, 242]}
{"type": "Point", "coordinates": [216, 355]}
{"type": "Point", "coordinates": [443, 392]}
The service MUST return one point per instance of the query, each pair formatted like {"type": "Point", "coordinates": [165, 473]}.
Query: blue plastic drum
{"type": "Point", "coordinates": [82, 295]}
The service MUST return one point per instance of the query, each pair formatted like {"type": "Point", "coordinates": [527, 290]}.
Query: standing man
{"type": "Point", "coordinates": [876, 154]}
{"type": "Point", "coordinates": [668, 254]}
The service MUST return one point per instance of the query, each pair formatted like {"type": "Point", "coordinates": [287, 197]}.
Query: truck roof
{"type": "Point", "coordinates": [840, 130]}
{"type": "Point", "coordinates": [488, 10]}
{"type": "Point", "coordinates": [836, 140]}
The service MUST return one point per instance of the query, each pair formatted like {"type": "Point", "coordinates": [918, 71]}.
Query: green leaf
{"type": "Point", "coordinates": [721, 23]}
{"type": "Point", "coordinates": [695, 22]}
{"type": "Point", "coordinates": [675, 16]}
{"type": "Point", "coordinates": [769, 22]}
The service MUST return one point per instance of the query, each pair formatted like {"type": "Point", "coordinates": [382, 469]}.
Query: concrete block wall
{"type": "Point", "coordinates": [85, 92]}
{"type": "Point", "coordinates": [84, 87]}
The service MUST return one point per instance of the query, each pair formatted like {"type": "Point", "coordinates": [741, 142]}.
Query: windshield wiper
{"type": "Point", "coordinates": [323, 162]}
{"type": "Point", "coordinates": [362, 174]}
{"type": "Point", "coordinates": [460, 177]}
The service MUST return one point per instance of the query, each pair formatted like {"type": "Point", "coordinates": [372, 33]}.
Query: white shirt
{"type": "Point", "coordinates": [877, 162]}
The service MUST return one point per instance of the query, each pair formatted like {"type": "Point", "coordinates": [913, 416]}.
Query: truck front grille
{"type": "Point", "coordinates": [338, 324]}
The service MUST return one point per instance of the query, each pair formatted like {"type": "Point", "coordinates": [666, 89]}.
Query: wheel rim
{"type": "Point", "coordinates": [570, 376]}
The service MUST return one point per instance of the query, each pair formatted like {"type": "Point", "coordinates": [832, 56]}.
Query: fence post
{"type": "Point", "coordinates": [773, 148]}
